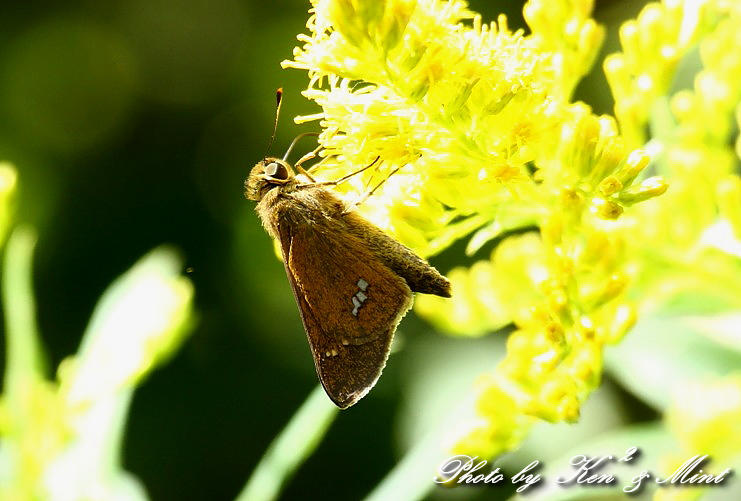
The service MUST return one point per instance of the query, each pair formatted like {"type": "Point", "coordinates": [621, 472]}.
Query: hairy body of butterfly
{"type": "Point", "coordinates": [352, 282]}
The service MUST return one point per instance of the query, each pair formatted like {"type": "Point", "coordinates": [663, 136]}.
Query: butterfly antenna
{"type": "Point", "coordinates": [295, 140]}
{"type": "Point", "coordinates": [278, 101]}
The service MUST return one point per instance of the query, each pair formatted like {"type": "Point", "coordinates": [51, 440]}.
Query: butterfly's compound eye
{"type": "Point", "coordinates": [276, 171]}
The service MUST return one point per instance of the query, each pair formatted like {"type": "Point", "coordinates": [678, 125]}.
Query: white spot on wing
{"type": "Point", "coordinates": [359, 298]}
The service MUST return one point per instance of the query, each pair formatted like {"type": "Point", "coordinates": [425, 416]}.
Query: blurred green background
{"type": "Point", "coordinates": [133, 123]}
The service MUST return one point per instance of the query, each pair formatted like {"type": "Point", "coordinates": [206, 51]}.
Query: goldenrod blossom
{"type": "Point", "coordinates": [477, 125]}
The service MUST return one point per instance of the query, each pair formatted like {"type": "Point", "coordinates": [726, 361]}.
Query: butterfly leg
{"type": "Point", "coordinates": [306, 158]}
{"type": "Point", "coordinates": [367, 194]}
{"type": "Point", "coordinates": [345, 178]}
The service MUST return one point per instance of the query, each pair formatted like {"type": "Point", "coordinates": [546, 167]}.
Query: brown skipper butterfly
{"type": "Point", "coordinates": [352, 282]}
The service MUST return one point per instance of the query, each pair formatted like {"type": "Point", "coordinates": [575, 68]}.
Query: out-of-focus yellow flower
{"type": "Point", "coordinates": [705, 417]}
{"type": "Point", "coordinates": [691, 131]}
{"type": "Point", "coordinates": [652, 46]}
{"type": "Point", "coordinates": [566, 33]}
{"type": "Point", "coordinates": [61, 440]}
{"type": "Point", "coordinates": [138, 322]}
{"type": "Point", "coordinates": [8, 181]}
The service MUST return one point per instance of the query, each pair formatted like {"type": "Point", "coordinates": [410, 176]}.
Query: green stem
{"type": "Point", "coordinates": [411, 478]}
{"type": "Point", "coordinates": [291, 448]}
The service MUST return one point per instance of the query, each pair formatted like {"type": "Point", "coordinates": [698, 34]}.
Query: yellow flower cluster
{"type": "Point", "coordinates": [438, 100]}
{"type": "Point", "coordinates": [696, 226]}
{"type": "Point", "coordinates": [566, 34]}
{"type": "Point", "coordinates": [479, 124]}
{"type": "Point", "coordinates": [698, 222]}
{"type": "Point", "coordinates": [704, 418]}
{"type": "Point", "coordinates": [653, 46]}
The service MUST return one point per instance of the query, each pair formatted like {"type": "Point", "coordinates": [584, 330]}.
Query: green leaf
{"type": "Point", "coordinates": [663, 353]}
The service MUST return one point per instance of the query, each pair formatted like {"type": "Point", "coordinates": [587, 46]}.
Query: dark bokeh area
{"type": "Point", "coordinates": [133, 123]}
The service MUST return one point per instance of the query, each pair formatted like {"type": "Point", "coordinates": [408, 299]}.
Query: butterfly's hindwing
{"type": "Point", "coordinates": [350, 304]}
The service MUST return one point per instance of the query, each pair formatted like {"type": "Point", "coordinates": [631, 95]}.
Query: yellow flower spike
{"type": "Point", "coordinates": [490, 146]}
{"type": "Point", "coordinates": [413, 128]}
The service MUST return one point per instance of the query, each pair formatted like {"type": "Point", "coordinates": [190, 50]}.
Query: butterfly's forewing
{"type": "Point", "coordinates": [361, 299]}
